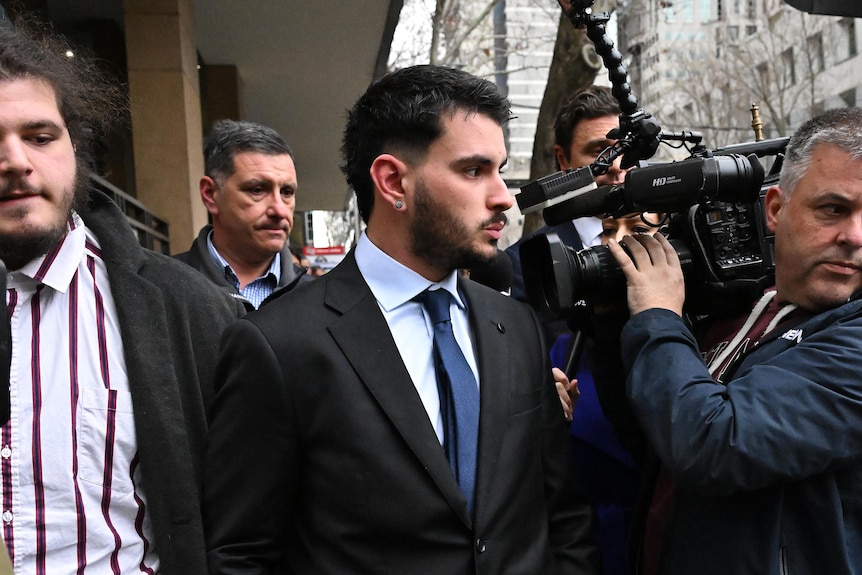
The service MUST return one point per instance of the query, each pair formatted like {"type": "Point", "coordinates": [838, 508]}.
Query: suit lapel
{"type": "Point", "coordinates": [364, 338]}
{"type": "Point", "coordinates": [492, 346]}
{"type": "Point", "coordinates": [568, 234]}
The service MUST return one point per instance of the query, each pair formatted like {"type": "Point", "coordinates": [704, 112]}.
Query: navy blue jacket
{"type": "Point", "coordinates": [768, 467]}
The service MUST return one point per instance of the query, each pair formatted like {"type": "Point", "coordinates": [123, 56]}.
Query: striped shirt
{"type": "Point", "coordinates": [72, 496]}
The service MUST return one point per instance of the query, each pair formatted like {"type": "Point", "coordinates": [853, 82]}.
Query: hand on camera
{"type": "Point", "coordinates": [653, 273]}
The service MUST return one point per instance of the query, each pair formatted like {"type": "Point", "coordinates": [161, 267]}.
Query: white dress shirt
{"type": "Point", "coordinates": [71, 485]}
{"type": "Point", "coordinates": [394, 286]}
{"type": "Point", "coordinates": [590, 230]}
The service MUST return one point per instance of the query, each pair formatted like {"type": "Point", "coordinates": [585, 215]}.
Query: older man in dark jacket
{"type": "Point", "coordinates": [758, 419]}
{"type": "Point", "coordinates": [250, 192]}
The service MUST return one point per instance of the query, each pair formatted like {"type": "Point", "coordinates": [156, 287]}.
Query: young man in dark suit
{"type": "Point", "coordinates": [354, 431]}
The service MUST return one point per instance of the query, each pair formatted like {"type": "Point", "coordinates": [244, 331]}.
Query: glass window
{"type": "Point", "coordinates": [687, 10]}
{"type": "Point", "coordinates": [847, 47]}
{"type": "Point", "coordinates": [732, 33]}
{"type": "Point", "coordinates": [669, 15]}
{"type": "Point", "coordinates": [705, 10]}
{"type": "Point", "coordinates": [815, 52]}
{"type": "Point", "coordinates": [763, 74]}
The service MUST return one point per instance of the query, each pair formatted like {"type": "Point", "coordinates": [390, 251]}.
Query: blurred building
{"type": "Point", "coordinates": [293, 65]}
{"type": "Point", "coordinates": [701, 64]}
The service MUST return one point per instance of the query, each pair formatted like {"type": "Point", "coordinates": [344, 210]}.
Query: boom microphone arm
{"type": "Point", "coordinates": [639, 134]}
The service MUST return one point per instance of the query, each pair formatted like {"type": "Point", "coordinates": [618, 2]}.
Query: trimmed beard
{"type": "Point", "coordinates": [18, 250]}
{"type": "Point", "coordinates": [442, 240]}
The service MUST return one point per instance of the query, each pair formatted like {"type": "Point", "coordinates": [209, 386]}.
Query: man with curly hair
{"type": "Point", "coordinates": [112, 345]}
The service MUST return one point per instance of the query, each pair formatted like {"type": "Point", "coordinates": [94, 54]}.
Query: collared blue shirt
{"type": "Point", "coordinates": [255, 291]}
{"type": "Point", "coordinates": [394, 286]}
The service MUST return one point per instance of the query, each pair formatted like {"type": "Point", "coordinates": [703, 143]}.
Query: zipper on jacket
{"type": "Point", "coordinates": [783, 566]}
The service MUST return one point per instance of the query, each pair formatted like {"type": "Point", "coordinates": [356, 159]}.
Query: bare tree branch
{"type": "Point", "coordinates": [456, 45]}
{"type": "Point", "coordinates": [436, 23]}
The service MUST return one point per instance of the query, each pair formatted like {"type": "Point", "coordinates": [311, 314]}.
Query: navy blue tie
{"type": "Point", "coordinates": [459, 395]}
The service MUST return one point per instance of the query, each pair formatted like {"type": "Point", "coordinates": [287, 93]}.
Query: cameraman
{"type": "Point", "coordinates": [762, 445]}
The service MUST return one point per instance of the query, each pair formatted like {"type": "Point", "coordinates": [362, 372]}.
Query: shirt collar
{"type": "Point", "coordinates": [58, 266]}
{"type": "Point", "coordinates": [392, 283]}
{"type": "Point", "coordinates": [274, 266]}
{"type": "Point", "coordinates": [589, 229]}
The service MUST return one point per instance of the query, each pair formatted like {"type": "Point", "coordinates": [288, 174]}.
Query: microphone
{"type": "Point", "coordinates": [554, 189]}
{"type": "Point", "coordinates": [496, 274]}
{"type": "Point", "coordinates": [667, 187]}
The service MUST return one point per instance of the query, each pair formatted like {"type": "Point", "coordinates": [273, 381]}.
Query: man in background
{"type": "Point", "coordinates": [250, 192]}
{"type": "Point", "coordinates": [580, 135]}
{"type": "Point", "coordinates": [607, 473]}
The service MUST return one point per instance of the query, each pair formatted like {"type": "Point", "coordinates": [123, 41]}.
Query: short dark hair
{"type": "Point", "coordinates": [401, 112]}
{"type": "Point", "coordinates": [229, 137]}
{"type": "Point", "coordinates": [89, 102]}
{"type": "Point", "coordinates": [593, 102]}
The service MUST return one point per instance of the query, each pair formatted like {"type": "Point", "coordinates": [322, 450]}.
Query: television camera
{"type": "Point", "coordinates": [712, 201]}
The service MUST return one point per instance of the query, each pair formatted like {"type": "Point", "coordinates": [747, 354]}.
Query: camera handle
{"type": "Point", "coordinates": [639, 134]}
{"type": "Point", "coordinates": [575, 354]}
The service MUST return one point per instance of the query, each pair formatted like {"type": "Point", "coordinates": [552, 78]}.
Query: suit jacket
{"type": "Point", "coordinates": [322, 459]}
{"type": "Point", "coordinates": [170, 320]}
{"type": "Point", "coordinates": [568, 235]}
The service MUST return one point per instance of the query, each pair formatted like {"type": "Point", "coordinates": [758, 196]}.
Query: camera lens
{"type": "Point", "coordinates": [596, 274]}
{"type": "Point", "coordinates": [732, 178]}
{"type": "Point", "coordinates": [559, 280]}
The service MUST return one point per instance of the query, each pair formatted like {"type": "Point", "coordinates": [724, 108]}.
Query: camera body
{"type": "Point", "coordinates": [716, 222]}
{"type": "Point", "coordinates": [714, 202]}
